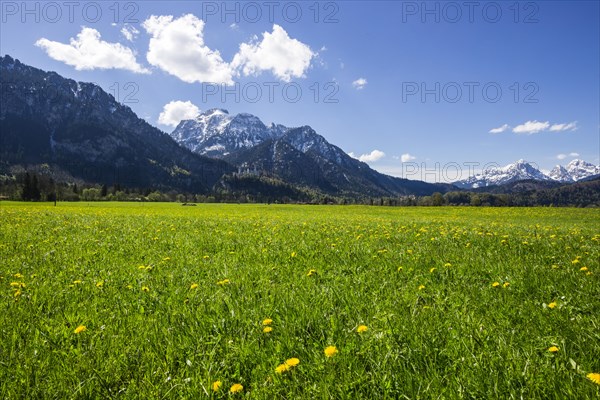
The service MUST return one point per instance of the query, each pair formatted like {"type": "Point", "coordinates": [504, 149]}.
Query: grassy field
{"type": "Point", "coordinates": [109, 300]}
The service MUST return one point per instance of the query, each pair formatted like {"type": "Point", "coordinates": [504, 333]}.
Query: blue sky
{"type": "Point", "coordinates": [415, 89]}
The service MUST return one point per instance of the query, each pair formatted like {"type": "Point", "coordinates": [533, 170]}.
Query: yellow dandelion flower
{"type": "Point", "coordinates": [292, 362]}
{"type": "Point", "coordinates": [432, 270]}
{"type": "Point", "coordinates": [293, 254]}
{"type": "Point", "coordinates": [267, 329]}
{"type": "Point", "coordinates": [80, 328]}
{"type": "Point", "coordinates": [99, 283]}
{"type": "Point", "coordinates": [447, 265]}
{"type": "Point", "coordinates": [18, 275]}
{"type": "Point", "coordinates": [362, 328]}
{"type": "Point", "coordinates": [142, 267]}
{"type": "Point", "coordinates": [588, 273]}
{"type": "Point", "coordinates": [267, 321]}
{"type": "Point", "coordinates": [553, 349]}
{"type": "Point", "coordinates": [421, 287]}
{"type": "Point", "coordinates": [216, 385]}
{"type": "Point", "coordinates": [17, 284]}
{"type": "Point", "coordinates": [330, 351]}
{"type": "Point", "coordinates": [552, 305]}
{"type": "Point", "coordinates": [166, 258]}
{"type": "Point", "coordinates": [206, 257]}
{"type": "Point", "coordinates": [17, 293]}
{"type": "Point", "coordinates": [311, 272]}
{"type": "Point", "coordinates": [575, 261]}
{"type": "Point", "coordinates": [223, 282]}
{"type": "Point", "coordinates": [506, 284]}
{"type": "Point", "coordinates": [236, 387]}
{"type": "Point", "coordinates": [77, 282]}
{"type": "Point", "coordinates": [281, 368]}
{"type": "Point", "coordinates": [193, 286]}
{"type": "Point", "coordinates": [400, 269]}
{"type": "Point", "coordinates": [583, 268]}
{"type": "Point", "coordinates": [495, 284]}
{"type": "Point", "coordinates": [594, 377]}
{"type": "Point", "coordinates": [145, 289]}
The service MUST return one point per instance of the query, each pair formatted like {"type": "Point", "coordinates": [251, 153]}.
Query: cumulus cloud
{"type": "Point", "coordinates": [562, 156]}
{"type": "Point", "coordinates": [571, 126]}
{"type": "Point", "coordinates": [285, 57]}
{"type": "Point", "coordinates": [129, 32]}
{"type": "Point", "coordinates": [176, 111]}
{"type": "Point", "coordinates": [87, 52]}
{"type": "Point", "coordinates": [177, 47]}
{"type": "Point", "coordinates": [531, 127]}
{"type": "Point", "coordinates": [406, 157]}
{"type": "Point", "coordinates": [359, 83]}
{"type": "Point", "coordinates": [500, 129]}
{"type": "Point", "coordinates": [373, 156]}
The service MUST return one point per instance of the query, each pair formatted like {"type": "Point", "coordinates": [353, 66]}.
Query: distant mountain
{"type": "Point", "coordinates": [518, 171]}
{"type": "Point", "coordinates": [579, 170]}
{"type": "Point", "coordinates": [216, 133]}
{"type": "Point", "coordinates": [298, 156]}
{"type": "Point", "coordinates": [521, 170]}
{"type": "Point", "coordinates": [47, 119]}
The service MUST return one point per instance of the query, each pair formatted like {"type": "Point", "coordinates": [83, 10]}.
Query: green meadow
{"type": "Point", "coordinates": [160, 301]}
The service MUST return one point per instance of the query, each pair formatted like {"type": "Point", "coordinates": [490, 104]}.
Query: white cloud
{"type": "Point", "coordinates": [561, 156]}
{"type": "Point", "coordinates": [359, 83]}
{"type": "Point", "coordinates": [285, 57]}
{"type": "Point", "coordinates": [531, 127]}
{"type": "Point", "coordinates": [574, 154]}
{"type": "Point", "coordinates": [373, 156]}
{"type": "Point", "coordinates": [177, 47]}
{"type": "Point", "coordinates": [176, 111]}
{"type": "Point", "coordinates": [234, 27]}
{"type": "Point", "coordinates": [129, 32]}
{"type": "Point", "coordinates": [406, 157]}
{"type": "Point", "coordinates": [87, 52]}
{"type": "Point", "coordinates": [500, 129]}
{"type": "Point", "coordinates": [571, 126]}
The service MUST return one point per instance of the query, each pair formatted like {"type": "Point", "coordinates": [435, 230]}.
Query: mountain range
{"type": "Point", "coordinates": [576, 170]}
{"type": "Point", "coordinates": [81, 129]}
{"type": "Point", "coordinates": [85, 133]}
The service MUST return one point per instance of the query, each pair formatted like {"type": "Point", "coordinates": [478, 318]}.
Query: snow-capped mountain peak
{"type": "Point", "coordinates": [579, 169]}
{"type": "Point", "coordinates": [523, 170]}
{"type": "Point", "coordinates": [216, 133]}
{"type": "Point", "coordinates": [518, 171]}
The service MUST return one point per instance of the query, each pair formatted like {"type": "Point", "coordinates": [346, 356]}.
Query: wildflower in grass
{"type": "Point", "coordinates": [293, 254]}
{"type": "Point", "coordinates": [432, 270]}
{"type": "Point", "coordinates": [223, 282]}
{"type": "Point", "coordinates": [552, 305]}
{"type": "Point", "coordinates": [77, 282]}
{"type": "Point", "coordinates": [17, 293]}
{"type": "Point", "coordinates": [267, 321]}
{"type": "Point", "coordinates": [166, 258]}
{"type": "Point", "coordinates": [193, 286]}
{"type": "Point", "coordinates": [330, 351]}
{"type": "Point", "coordinates": [281, 368]}
{"type": "Point", "coordinates": [80, 328]}
{"type": "Point", "coordinates": [575, 261]}
{"type": "Point", "coordinates": [216, 385]}
{"type": "Point", "coordinates": [553, 349]}
{"type": "Point", "coordinates": [292, 362]}
{"type": "Point", "coordinates": [421, 287]}
{"type": "Point", "coordinates": [236, 388]}
{"type": "Point", "coordinates": [362, 328]}
{"type": "Point", "coordinates": [142, 267]}
{"type": "Point", "coordinates": [18, 275]}
{"type": "Point", "coordinates": [583, 269]}
{"type": "Point", "coordinates": [311, 272]}
{"type": "Point", "coordinates": [99, 284]}
{"type": "Point", "coordinates": [447, 265]}
{"type": "Point", "coordinates": [206, 257]}
{"type": "Point", "coordinates": [506, 284]}
{"type": "Point", "coordinates": [495, 284]}
{"type": "Point", "coordinates": [594, 377]}
{"type": "Point", "coordinates": [145, 289]}
{"type": "Point", "coordinates": [17, 284]}
{"type": "Point", "coordinates": [400, 269]}
{"type": "Point", "coordinates": [267, 329]}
